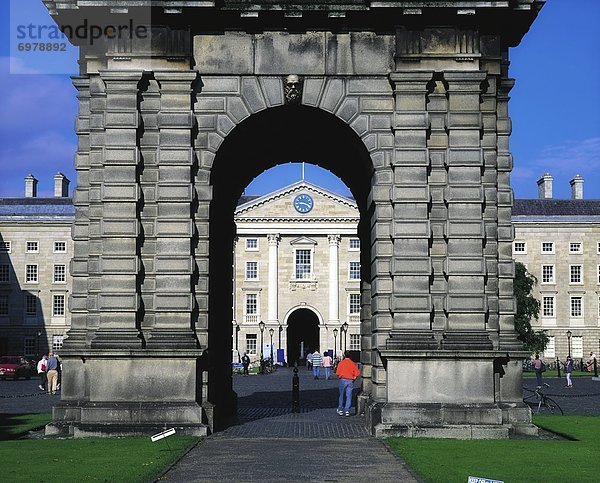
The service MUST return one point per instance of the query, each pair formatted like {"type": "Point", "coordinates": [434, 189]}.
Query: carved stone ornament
{"type": "Point", "coordinates": [293, 89]}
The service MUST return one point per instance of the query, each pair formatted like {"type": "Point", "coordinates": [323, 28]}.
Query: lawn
{"type": "Point", "coordinates": [85, 459]}
{"type": "Point", "coordinates": [517, 460]}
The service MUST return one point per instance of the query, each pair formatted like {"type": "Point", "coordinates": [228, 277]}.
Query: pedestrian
{"type": "Point", "coordinates": [317, 360]}
{"type": "Point", "coordinates": [309, 361]}
{"type": "Point", "coordinates": [327, 363]}
{"type": "Point", "coordinates": [52, 372]}
{"type": "Point", "coordinates": [347, 372]}
{"type": "Point", "coordinates": [539, 367]}
{"type": "Point", "coordinates": [245, 363]}
{"type": "Point", "coordinates": [589, 364]}
{"type": "Point", "coordinates": [568, 370]}
{"type": "Point", "coordinates": [41, 370]}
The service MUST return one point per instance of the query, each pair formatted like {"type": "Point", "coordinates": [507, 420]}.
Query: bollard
{"type": "Point", "coordinates": [558, 366]}
{"type": "Point", "coordinates": [595, 367]}
{"type": "Point", "coordinates": [296, 391]}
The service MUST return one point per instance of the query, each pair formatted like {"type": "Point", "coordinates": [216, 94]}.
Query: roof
{"type": "Point", "coordinates": [554, 207]}
{"type": "Point", "coordinates": [36, 208]}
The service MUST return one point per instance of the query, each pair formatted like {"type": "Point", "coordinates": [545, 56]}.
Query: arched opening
{"type": "Point", "coordinates": [266, 139]}
{"type": "Point", "coordinates": [302, 335]}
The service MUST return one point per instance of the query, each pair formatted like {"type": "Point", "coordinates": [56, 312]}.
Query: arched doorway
{"type": "Point", "coordinates": [302, 334]}
{"type": "Point", "coordinates": [268, 138]}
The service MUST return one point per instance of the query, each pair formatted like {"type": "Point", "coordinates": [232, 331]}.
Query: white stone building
{"type": "Point", "coordinates": [297, 269]}
{"type": "Point", "coordinates": [35, 252]}
{"type": "Point", "coordinates": [558, 240]}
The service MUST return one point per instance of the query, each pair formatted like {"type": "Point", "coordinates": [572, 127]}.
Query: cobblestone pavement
{"type": "Point", "coordinates": [25, 397]}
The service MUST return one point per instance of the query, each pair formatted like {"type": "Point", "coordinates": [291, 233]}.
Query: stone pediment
{"type": "Point", "coordinates": [301, 201]}
{"type": "Point", "coordinates": [303, 240]}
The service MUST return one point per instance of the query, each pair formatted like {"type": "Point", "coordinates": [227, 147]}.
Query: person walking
{"type": "Point", "coordinates": [568, 370]}
{"type": "Point", "coordinates": [52, 372]}
{"type": "Point", "coordinates": [347, 372]}
{"type": "Point", "coordinates": [317, 360]}
{"type": "Point", "coordinates": [245, 364]}
{"type": "Point", "coordinates": [309, 361]}
{"type": "Point", "coordinates": [41, 370]}
{"type": "Point", "coordinates": [327, 363]}
{"type": "Point", "coordinates": [539, 367]}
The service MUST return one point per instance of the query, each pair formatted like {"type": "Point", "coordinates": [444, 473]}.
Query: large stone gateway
{"type": "Point", "coordinates": [405, 101]}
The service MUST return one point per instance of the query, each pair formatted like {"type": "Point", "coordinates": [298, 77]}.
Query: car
{"type": "Point", "coordinates": [14, 367]}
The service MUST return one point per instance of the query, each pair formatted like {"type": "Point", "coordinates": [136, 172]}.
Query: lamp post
{"type": "Point", "coordinates": [335, 333]}
{"type": "Point", "coordinates": [237, 336]}
{"type": "Point", "coordinates": [271, 332]}
{"type": "Point", "coordinates": [261, 326]}
{"type": "Point", "coordinates": [569, 341]}
{"type": "Point", "coordinates": [39, 334]}
{"type": "Point", "coordinates": [345, 329]}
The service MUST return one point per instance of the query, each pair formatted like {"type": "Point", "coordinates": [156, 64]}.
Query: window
{"type": "Point", "coordinates": [60, 273]}
{"type": "Point", "coordinates": [251, 270]}
{"type": "Point", "coordinates": [599, 307]}
{"type": "Point", "coordinates": [251, 304]}
{"type": "Point", "coordinates": [575, 274]}
{"type": "Point", "coordinates": [251, 244]}
{"type": "Point", "coordinates": [3, 305]}
{"type": "Point", "coordinates": [598, 248]}
{"type": "Point", "coordinates": [576, 306]}
{"type": "Point", "coordinates": [354, 303]}
{"type": "Point", "coordinates": [58, 305]}
{"type": "Point", "coordinates": [251, 343]}
{"type": "Point", "coordinates": [547, 247]}
{"type": "Point", "coordinates": [577, 346]}
{"type": "Point", "coordinates": [5, 273]}
{"type": "Point", "coordinates": [575, 247]}
{"type": "Point", "coordinates": [520, 247]}
{"type": "Point", "coordinates": [5, 247]}
{"type": "Point", "coordinates": [32, 247]}
{"type": "Point", "coordinates": [303, 264]}
{"type": "Point", "coordinates": [354, 271]}
{"type": "Point", "coordinates": [31, 274]}
{"type": "Point", "coordinates": [30, 304]}
{"type": "Point", "coordinates": [354, 342]}
{"type": "Point", "coordinates": [29, 344]}
{"type": "Point", "coordinates": [60, 247]}
{"type": "Point", "coordinates": [599, 274]}
{"type": "Point", "coordinates": [548, 306]}
{"type": "Point", "coordinates": [354, 244]}
{"type": "Point", "coordinates": [550, 352]}
{"type": "Point", "coordinates": [57, 342]}
{"type": "Point", "coordinates": [547, 273]}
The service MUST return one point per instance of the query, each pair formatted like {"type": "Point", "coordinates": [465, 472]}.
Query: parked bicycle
{"type": "Point", "coordinates": [543, 402]}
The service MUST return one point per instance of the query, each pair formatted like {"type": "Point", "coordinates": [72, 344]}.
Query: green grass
{"type": "Point", "coordinates": [86, 459]}
{"type": "Point", "coordinates": [518, 460]}
{"type": "Point", "coordinates": [555, 374]}
{"type": "Point", "coordinates": [14, 425]}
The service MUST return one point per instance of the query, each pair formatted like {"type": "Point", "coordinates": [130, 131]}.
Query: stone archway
{"type": "Point", "coordinates": [406, 102]}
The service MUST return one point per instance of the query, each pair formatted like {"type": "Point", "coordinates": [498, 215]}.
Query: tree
{"type": "Point", "coordinates": [528, 307]}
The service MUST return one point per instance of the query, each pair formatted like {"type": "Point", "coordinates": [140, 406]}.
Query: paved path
{"type": "Point", "coordinates": [267, 442]}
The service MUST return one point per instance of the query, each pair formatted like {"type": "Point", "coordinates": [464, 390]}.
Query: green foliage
{"type": "Point", "coordinates": [528, 308]}
{"type": "Point", "coordinates": [513, 460]}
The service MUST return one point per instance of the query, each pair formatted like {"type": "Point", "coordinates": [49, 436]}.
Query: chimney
{"type": "Point", "coordinates": [545, 187]}
{"type": "Point", "coordinates": [577, 187]}
{"type": "Point", "coordinates": [61, 185]}
{"type": "Point", "coordinates": [30, 186]}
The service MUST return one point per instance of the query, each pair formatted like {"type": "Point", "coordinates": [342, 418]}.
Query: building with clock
{"type": "Point", "coordinates": [297, 270]}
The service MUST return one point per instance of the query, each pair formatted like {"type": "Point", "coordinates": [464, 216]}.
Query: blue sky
{"type": "Point", "coordinates": [554, 108]}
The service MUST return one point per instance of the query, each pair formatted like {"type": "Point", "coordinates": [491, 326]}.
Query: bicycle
{"type": "Point", "coordinates": [542, 401]}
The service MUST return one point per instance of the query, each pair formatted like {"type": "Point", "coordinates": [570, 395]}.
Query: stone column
{"type": "Point", "coordinates": [411, 265]}
{"type": "Point", "coordinates": [119, 227]}
{"type": "Point", "coordinates": [173, 298]}
{"type": "Point", "coordinates": [465, 265]}
{"type": "Point", "coordinates": [334, 282]}
{"type": "Point", "coordinates": [81, 229]}
{"type": "Point", "coordinates": [273, 287]}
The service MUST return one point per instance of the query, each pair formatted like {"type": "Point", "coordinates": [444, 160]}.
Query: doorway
{"type": "Point", "coordinates": [302, 335]}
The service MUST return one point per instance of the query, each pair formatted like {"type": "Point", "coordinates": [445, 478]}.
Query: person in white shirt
{"type": "Point", "coordinates": [41, 370]}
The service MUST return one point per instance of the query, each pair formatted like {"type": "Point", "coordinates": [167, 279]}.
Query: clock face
{"type": "Point", "coordinates": [303, 203]}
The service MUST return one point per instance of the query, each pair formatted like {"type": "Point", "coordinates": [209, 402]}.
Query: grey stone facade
{"type": "Point", "coordinates": [411, 113]}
